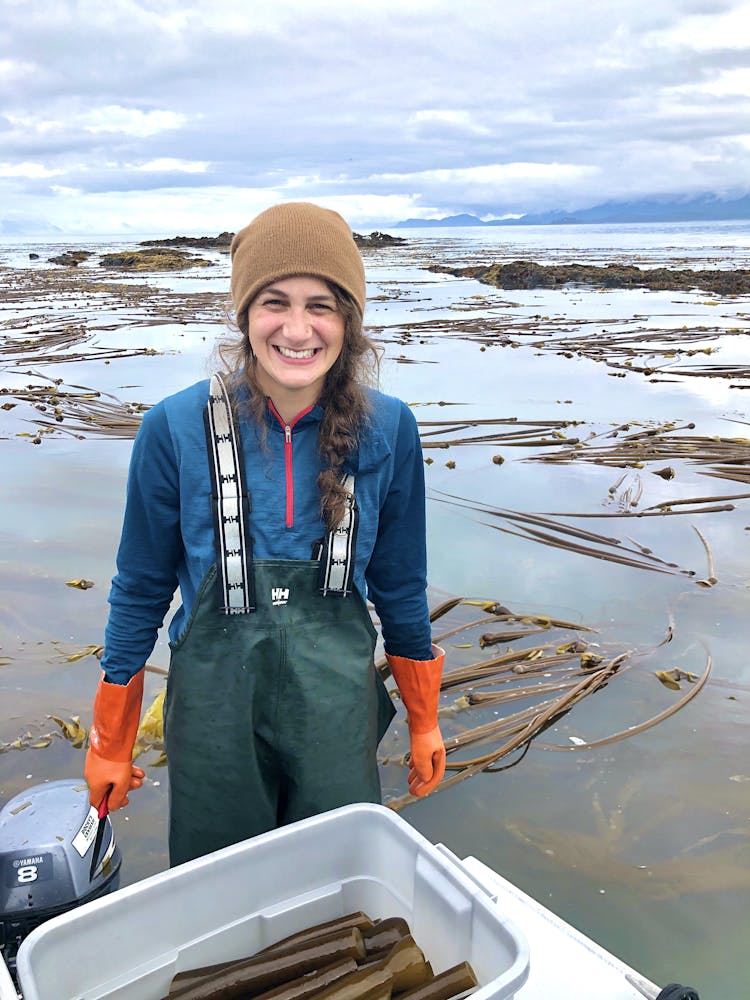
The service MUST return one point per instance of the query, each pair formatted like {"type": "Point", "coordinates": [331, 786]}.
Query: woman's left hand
{"type": "Point", "coordinates": [427, 762]}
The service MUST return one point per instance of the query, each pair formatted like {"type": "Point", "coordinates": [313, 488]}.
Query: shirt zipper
{"type": "Point", "coordinates": [288, 463]}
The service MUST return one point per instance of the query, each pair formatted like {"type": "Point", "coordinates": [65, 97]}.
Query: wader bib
{"type": "Point", "coordinates": [274, 708]}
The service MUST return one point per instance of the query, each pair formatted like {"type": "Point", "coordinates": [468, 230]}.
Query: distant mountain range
{"type": "Point", "coordinates": [705, 208]}
{"type": "Point", "coordinates": [26, 226]}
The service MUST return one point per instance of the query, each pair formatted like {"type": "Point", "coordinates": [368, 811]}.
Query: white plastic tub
{"type": "Point", "coordinates": [232, 903]}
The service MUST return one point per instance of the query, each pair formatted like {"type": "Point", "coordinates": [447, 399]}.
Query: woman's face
{"type": "Point", "coordinates": [296, 331]}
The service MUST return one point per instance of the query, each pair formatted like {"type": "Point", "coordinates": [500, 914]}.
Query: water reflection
{"type": "Point", "coordinates": [580, 831]}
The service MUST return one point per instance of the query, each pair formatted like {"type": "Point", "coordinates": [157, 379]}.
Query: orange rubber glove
{"type": "Point", "coordinates": [419, 684]}
{"type": "Point", "coordinates": [109, 765]}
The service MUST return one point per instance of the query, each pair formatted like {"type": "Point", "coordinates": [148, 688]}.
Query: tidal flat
{"type": "Point", "coordinates": [587, 459]}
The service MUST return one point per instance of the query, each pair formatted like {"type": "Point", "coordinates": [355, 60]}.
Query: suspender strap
{"type": "Point", "coordinates": [231, 508]}
{"type": "Point", "coordinates": [231, 504]}
{"type": "Point", "coordinates": [337, 556]}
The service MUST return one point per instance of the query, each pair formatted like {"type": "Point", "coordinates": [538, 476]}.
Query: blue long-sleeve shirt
{"type": "Point", "coordinates": [168, 533]}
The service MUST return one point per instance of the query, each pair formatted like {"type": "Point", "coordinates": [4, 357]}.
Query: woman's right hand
{"type": "Point", "coordinates": [109, 761]}
{"type": "Point", "coordinates": [113, 777]}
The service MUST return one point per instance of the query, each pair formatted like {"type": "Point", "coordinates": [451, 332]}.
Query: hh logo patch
{"type": "Point", "coordinates": [279, 596]}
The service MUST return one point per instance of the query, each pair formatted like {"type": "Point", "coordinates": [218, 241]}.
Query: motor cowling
{"type": "Point", "coordinates": [47, 836]}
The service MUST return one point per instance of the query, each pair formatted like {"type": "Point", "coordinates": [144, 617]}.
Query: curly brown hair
{"type": "Point", "coordinates": [343, 399]}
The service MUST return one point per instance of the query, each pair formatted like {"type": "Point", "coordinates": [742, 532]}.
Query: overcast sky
{"type": "Point", "coordinates": [186, 117]}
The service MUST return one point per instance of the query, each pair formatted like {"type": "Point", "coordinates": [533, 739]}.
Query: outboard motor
{"type": "Point", "coordinates": [47, 840]}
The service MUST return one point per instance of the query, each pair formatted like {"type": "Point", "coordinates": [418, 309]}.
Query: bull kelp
{"type": "Point", "coordinates": [549, 678]}
{"type": "Point", "coordinates": [349, 958]}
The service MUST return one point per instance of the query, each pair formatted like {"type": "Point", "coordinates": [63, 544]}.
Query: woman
{"type": "Point", "coordinates": [277, 497]}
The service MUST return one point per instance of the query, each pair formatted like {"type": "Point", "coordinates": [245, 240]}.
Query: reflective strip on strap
{"type": "Point", "coordinates": [234, 555]}
{"type": "Point", "coordinates": [337, 558]}
{"type": "Point", "coordinates": [231, 504]}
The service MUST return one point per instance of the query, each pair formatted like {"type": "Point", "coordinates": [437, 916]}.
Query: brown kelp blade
{"type": "Point", "coordinates": [260, 973]}
{"type": "Point", "coordinates": [356, 919]}
{"type": "Point", "coordinates": [406, 963]}
{"type": "Point", "coordinates": [311, 983]}
{"type": "Point", "coordinates": [454, 982]}
{"type": "Point", "coordinates": [319, 933]}
{"type": "Point", "coordinates": [385, 934]}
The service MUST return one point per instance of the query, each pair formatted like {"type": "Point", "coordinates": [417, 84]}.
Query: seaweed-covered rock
{"type": "Point", "coordinates": [378, 239]}
{"type": "Point", "coordinates": [221, 242]}
{"type": "Point", "coordinates": [528, 274]}
{"type": "Point", "coordinates": [152, 260]}
{"type": "Point", "coordinates": [70, 258]}
{"type": "Point", "coordinates": [224, 240]}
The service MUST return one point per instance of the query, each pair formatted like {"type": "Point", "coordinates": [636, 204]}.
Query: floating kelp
{"type": "Point", "coordinates": [150, 735]}
{"type": "Point", "coordinates": [628, 345]}
{"type": "Point", "coordinates": [549, 530]}
{"type": "Point", "coordinates": [551, 677]}
{"type": "Point", "coordinates": [651, 352]}
{"type": "Point", "coordinates": [726, 458]}
{"type": "Point", "coordinates": [77, 411]}
{"type": "Point", "coordinates": [83, 294]}
{"type": "Point", "coordinates": [523, 274]}
{"type": "Point", "coordinates": [525, 433]}
{"type": "Point", "coordinates": [672, 678]}
{"type": "Point", "coordinates": [101, 417]}
{"type": "Point", "coordinates": [486, 331]}
{"type": "Point", "coordinates": [72, 730]}
{"type": "Point", "coordinates": [52, 344]}
{"type": "Point", "coordinates": [29, 741]}
{"type": "Point", "coordinates": [93, 649]}
{"type": "Point", "coordinates": [41, 340]}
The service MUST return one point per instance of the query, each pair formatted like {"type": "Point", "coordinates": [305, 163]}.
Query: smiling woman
{"type": "Point", "coordinates": [296, 333]}
{"type": "Point", "coordinates": [278, 496]}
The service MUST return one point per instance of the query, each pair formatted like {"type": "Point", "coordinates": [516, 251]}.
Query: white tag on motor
{"type": "Point", "coordinates": [86, 835]}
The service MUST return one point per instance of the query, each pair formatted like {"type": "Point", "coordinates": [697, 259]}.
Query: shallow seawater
{"type": "Point", "coordinates": [645, 843]}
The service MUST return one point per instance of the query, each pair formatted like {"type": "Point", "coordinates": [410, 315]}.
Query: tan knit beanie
{"type": "Point", "coordinates": [295, 238]}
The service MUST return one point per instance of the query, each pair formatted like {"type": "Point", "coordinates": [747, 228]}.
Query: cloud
{"type": "Point", "coordinates": [130, 121]}
{"type": "Point", "coordinates": [168, 164]}
{"type": "Point", "coordinates": [25, 169]}
{"type": "Point", "coordinates": [431, 106]}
